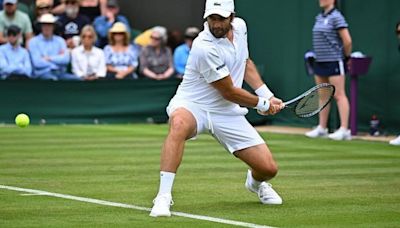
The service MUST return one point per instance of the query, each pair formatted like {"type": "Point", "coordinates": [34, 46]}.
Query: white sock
{"type": "Point", "coordinates": [253, 183]}
{"type": "Point", "coordinates": [166, 182]}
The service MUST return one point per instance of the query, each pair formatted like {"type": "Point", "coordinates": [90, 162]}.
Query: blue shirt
{"type": "Point", "coordinates": [181, 56]}
{"type": "Point", "coordinates": [328, 46]}
{"type": "Point", "coordinates": [102, 26]}
{"type": "Point", "coordinates": [14, 60]}
{"type": "Point", "coordinates": [55, 48]}
{"type": "Point", "coordinates": [122, 60]}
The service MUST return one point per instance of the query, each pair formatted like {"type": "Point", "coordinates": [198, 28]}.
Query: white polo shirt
{"type": "Point", "coordinates": [210, 60]}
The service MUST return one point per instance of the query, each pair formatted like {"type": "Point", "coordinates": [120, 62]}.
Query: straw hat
{"type": "Point", "coordinates": [118, 27]}
{"type": "Point", "coordinates": [47, 19]}
{"type": "Point", "coordinates": [43, 3]}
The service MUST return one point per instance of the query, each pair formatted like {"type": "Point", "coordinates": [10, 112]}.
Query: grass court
{"type": "Point", "coordinates": [323, 183]}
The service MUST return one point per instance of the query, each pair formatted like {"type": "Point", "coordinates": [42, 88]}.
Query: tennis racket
{"type": "Point", "coordinates": [312, 101]}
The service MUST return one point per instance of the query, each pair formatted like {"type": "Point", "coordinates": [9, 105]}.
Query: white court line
{"type": "Point", "coordinates": [122, 205]}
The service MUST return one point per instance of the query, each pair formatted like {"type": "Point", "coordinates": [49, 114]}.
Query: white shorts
{"type": "Point", "coordinates": [232, 132]}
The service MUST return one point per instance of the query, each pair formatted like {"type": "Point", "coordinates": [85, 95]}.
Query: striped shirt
{"type": "Point", "coordinates": [327, 44]}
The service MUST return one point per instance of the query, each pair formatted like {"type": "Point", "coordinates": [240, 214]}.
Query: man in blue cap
{"type": "Point", "coordinates": [15, 62]}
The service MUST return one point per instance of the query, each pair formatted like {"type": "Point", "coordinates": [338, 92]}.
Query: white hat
{"type": "Point", "coordinates": [47, 19]}
{"type": "Point", "coordinates": [10, 2]}
{"type": "Point", "coordinates": [223, 8]}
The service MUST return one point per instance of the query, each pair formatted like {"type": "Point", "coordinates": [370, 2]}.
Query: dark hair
{"type": "Point", "coordinates": [397, 26]}
{"type": "Point", "coordinates": [13, 30]}
{"type": "Point", "coordinates": [336, 4]}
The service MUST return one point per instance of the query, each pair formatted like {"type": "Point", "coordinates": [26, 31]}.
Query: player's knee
{"type": "Point", "coordinates": [178, 126]}
{"type": "Point", "coordinates": [339, 96]}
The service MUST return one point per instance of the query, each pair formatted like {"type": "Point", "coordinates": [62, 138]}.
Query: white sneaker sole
{"type": "Point", "coordinates": [155, 215]}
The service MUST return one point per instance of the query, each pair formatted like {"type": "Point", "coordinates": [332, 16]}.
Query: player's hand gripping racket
{"type": "Point", "coordinates": [312, 101]}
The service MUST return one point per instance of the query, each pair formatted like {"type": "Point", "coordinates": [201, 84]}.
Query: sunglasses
{"type": "Point", "coordinates": [44, 8]}
{"type": "Point", "coordinates": [155, 38]}
{"type": "Point", "coordinates": [87, 36]}
{"type": "Point", "coordinates": [71, 3]}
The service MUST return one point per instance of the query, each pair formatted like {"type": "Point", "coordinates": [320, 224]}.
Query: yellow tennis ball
{"type": "Point", "coordinates": [22, 120]}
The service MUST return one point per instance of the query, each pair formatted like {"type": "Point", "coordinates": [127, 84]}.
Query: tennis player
{"type": "Point", "coordinates": [210, 99]}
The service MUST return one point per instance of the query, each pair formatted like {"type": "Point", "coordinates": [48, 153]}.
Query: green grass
{"type": "Point", "coordinates": [323, 183]}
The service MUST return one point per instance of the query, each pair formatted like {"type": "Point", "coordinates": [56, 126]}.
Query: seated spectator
{"type": "Point", "coordinates": [181, 53]}
{"type": "Point", "coordinates": [89, 8]}
{"type": "Point", "coordinates": [175, 38]}
{"type": "Point", "coordinates": [156, 58]}
{"type": "Point", "coordinates": [121, 57]}
{"type": "Point", "coordinates": [42, 7]}
{"type": "Point", "coordinates": [72, 22]}
{"type": "Point", "coordinates": [11, 16]}
{"type": "Point", "coordinates": [49, 53]}
{"type": "Point", "coordinates": [88, 61]}
{"type": "Point", "coordinates": [104, 23]}
{"type": "Point", "coordinates": [14, 59]}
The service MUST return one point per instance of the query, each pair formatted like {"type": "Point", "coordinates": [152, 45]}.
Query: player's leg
{"type": "Point", "coordinates": [324, 114]}
{"type": "Point", "coordinates": [341, 99]}
{"type": "Point", "coordinates": [182, 126]}
{"type": "Point", "coordinates": [343, 106]}
{"type": "Point", "coordinates": [262, 169]}
{"type": "Point", "coordinates": [240, 138]}
{"type": "Point", "coordinates": [321, 130]}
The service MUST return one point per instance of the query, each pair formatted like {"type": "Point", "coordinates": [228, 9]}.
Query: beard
{"type": "Point", "coordinates": [72, 12]}
{"type": "Point", "coordinates": [219, 32]}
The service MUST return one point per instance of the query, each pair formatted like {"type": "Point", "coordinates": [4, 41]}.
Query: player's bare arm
{"type": "Point", "coordinates": [254, 80]}
{"type": "Point", "coordinates": [347, 42]}
{"type": "Point", "coordinates": [243, 97]}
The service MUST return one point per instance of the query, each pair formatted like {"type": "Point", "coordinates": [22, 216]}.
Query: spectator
{"type": "Point", "coordinates": [181, 53]}
{"type": "Point", "coordinates": [11, 16]}
{"type": "Point", "coordinates": [156, 58]}
{"type": "Point", "coordinates": [72, 22]}
{"type": "Point", "coordinates": [175, 38]}
{"type": "Point", "coordinates": [89, 8]}
{"type": "Point", "coordinates": [104, 23]}
{"type": "Point", "coordinates": [14, 59]}
{"type": "Point", "coordinates": [121, 57]}
{"type": "Point", "coordinates": [49, 53]}
{"type": "Point", "coordinates": [88, 61]}
{"type": "Point", "coordinates": [1, 4]}
{"type": "Point", "coordinates": [42, 7]}
{"type": "Point", "coordinates": [332, 46]}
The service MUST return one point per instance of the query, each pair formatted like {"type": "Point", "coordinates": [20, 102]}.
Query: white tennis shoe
{"type": "Point", "coordinates": [395, 142]}
{"type": "Point", "coordinates": [318, 132]}
{"type": "Point", "coordinates": [341, 134]}
{"type": "Point", "coordinates": [162, 204]}
{"type": "Point", "coordinates": [265, 192]}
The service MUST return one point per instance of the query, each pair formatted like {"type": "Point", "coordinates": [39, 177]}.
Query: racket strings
{"type": "Point", "coordinates": [314, 102]}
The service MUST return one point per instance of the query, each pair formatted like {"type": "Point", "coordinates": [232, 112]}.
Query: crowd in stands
{"type": "Point", "coordinates": [85, 40]}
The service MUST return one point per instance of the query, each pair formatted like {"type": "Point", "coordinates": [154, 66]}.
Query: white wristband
{"type": "Point", "coordinates": [264, 91]}
{"type": "Point", "coordinates": [263, 104]}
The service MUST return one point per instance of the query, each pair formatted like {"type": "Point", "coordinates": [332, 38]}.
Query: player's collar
{"type": "Point", "coordinates": [328, 13]}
